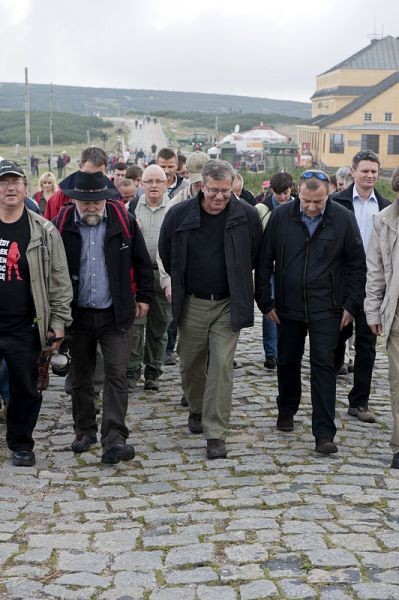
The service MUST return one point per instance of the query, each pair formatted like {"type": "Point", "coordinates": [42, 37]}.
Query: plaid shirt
{"type": "Point", "coordinates": [150, 223]}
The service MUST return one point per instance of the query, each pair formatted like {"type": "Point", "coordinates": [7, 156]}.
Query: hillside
{"type": "Point", "coordinates": [109, 101]}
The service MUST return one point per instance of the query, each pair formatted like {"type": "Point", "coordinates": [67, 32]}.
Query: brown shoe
{"type": "Point", "coordinates": [195, 423]}
{"type": "Point", "coordinates": [362, 413]}
{"type": "Point", "coordinates": [326, 445]}
{"type": "Point", "coordinates": [285, 422]}
{"type": "Point", "coordinates": [215, 449]}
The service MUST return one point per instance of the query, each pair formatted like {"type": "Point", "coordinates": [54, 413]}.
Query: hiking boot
{"type": "Point", "coordinates": [151, 382]}
{"type": "Point", "coordinates": [170, 358]}
{"type": "Point", "coordinates": [215, 449]}
{"type": "Point", "coordinates": [195, 423]}
{"type": "Point", "coordinates": [82, 442]}
{"type": "Point", "coordinates": [118, 453]}
{"type": "Point", "coordinates": [325, 445]}
{"type": "Point", "coordinates": [23, 458]}
{"type": "Point", "coordinates": [362, 413]}
{"type": "Point", "coordinates": [285, 422]}
{"type": "Point", "coordinates": [270, 362]}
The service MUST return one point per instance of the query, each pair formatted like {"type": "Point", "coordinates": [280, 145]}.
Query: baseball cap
{"type": "Point", "coordinates": [195, 163]}
{"type": "Point", "coordinates": [8, 167]}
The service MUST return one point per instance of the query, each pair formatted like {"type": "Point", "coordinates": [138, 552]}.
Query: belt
{"type": "Point", "coordinates": [215, 297]}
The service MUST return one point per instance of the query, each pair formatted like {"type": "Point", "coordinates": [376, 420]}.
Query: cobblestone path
{"type": "Point", "coordinates": [274, 520]}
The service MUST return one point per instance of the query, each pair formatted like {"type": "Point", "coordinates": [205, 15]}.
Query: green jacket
{"type": "Point", "coordinates": [49, 276]}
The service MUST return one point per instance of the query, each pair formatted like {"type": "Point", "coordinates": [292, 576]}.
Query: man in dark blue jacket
{"type": "Point", "coordinates": [310, 244]}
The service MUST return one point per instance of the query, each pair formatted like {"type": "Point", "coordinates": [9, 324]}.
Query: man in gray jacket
{"type": "Point", "coordinates": [35, 302]}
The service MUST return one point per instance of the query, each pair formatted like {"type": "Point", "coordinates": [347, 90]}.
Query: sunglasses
{"type": "Point", "coordinates": [318, 174]}
{"type": "Point", "coordinates": [366, 155]}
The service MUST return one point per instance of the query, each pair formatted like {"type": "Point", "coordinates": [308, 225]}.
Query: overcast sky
{"type": "Point", "coordinates": [270, 49]}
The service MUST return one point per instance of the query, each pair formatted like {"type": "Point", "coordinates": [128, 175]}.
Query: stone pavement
{"type": "Point", "coordinates": [274, 520]}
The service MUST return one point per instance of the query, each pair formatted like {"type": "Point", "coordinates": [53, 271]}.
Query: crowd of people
{"type": "Point", "coordinates": [114, 269]}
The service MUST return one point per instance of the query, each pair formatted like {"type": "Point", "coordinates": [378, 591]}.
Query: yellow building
{"type": "Point", "coordinates": [356, 107]}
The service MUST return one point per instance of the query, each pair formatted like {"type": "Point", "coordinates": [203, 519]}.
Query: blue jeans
{"type": "Point", "coordinates": [269, 332]}
{"type": "Point", "coordinates": [4, 387]}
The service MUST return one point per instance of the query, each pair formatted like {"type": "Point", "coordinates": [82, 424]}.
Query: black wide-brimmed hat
{"type": "Point", "coordinates": [89, 186]}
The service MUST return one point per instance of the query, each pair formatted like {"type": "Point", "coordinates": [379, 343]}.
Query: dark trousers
{"type": "Point", "coordinates": [365, 342]}
{"type": "Point", "coordinates": [89, 327]}
{"type": "Point", "coordinates": [172, 335]}
{"type": "Point", "coordinates": [21, 351]}
{"type": "Point", "coordinates": [323, 336]}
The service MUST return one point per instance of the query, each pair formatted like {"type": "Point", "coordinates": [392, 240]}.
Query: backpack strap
{"type": "Point", "coordinates": [62, 217]}
{"type": "Point", "coordinates": [123, 217]}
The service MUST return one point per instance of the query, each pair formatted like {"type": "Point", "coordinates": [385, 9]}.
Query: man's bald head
{"type": "Point", "coordinates": [154, 184]}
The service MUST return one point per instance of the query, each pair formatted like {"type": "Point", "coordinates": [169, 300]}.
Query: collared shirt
{"type": "Point", "coordinates": [94, 290]}
{"type": "Point", "coordinates": [364, 212]}
{"type": "Point", "coordinates": [151, 219]}
{"type": "Point", "coordinates": [311, 223]}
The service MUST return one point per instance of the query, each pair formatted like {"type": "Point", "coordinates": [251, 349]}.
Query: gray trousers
{"type": "Point", "coordinates": [206, 349]}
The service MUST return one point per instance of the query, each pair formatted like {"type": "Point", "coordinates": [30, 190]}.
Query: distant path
{"type": "Point", "coordinates": [146, 136]}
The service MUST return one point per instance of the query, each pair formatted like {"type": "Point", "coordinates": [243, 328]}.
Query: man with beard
{"type": "Point", "coordinates": [112, 280]}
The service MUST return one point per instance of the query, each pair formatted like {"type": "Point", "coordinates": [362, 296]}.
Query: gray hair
{"type": "Point", "coordinates": [218, 170]}
{"type": "Point", "coordinates": [342, 172]}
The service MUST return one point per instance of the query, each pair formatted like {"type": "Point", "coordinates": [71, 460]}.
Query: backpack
{"type": "Point", "coordinates": [122, 216]}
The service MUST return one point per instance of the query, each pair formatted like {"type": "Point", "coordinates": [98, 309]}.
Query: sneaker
{"type": "Point", "coordinates": [270, 362]}
{"type": "Point", "coordinates": [151, 382]}
{"type": "Point", "coordinates": [118, 453]}
{"type": "Point", "coordinates": [82, 442]}
{"type": "Point", "coordinates": [169, 359]}
{"type": "Point", "coordinates": [395, 461]}
{"type": "Point", "coordinates": [183, 401]}
{"type": "Point", "coordinates": [285, 422]}
{"type": "Point", "coordinates": [325, 445]}
{"type": "Point", "coordinates": [23, 458]}
{"type": "Point", "coordinates": [195, 422]}
{"type": "Point", "coordinates": [362, 413]}
{"type": "Point", "coordinates": [215, 449]}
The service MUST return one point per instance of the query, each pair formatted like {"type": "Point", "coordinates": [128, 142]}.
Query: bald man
{"type": "Point", "coordinates": [150, 213]}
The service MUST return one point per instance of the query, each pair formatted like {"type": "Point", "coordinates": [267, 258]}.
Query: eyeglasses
{"type": "Point", "coordinates": [154, 181]}
{"type": "Point", "coordinates": [366, 155]}
{"type": "Point", "coordinates": [5, 183]}
{"type": "Point", "coordinates": [216, 191]}
{"type": "Point", "coordinates": [318, 174]}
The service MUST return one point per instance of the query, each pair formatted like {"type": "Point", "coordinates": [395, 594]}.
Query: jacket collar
{"type": "Point", "coordinates": [295, 210]}
{"type": "Point", "coordinates": [390, 215]}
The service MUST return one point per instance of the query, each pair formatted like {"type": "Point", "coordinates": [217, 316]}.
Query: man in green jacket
{"type": "Point", "coordinates": [35, 302]}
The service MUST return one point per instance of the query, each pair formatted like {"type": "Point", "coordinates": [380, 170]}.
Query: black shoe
{"type": "Point", "coordinates": [151, 382]}
{"type": "Point", "coordinates": [270, 362]}
{"type": "Point", "coordinates": [82, 442]}
{"type": "Point", "coordinates": [195, 423]}
{"type": "Point", "coordinates": [215, 449]}
{"type": "Point", "coordinates": [23, 458]}
{"type": "Point", "coordinates": [183, 401]}
{"type": "Point", "coordinates": [285, 422]}
{"type": "Point", "coordinates": [325, 445]}
{"type": "Point", "coordinates": [235, 365]}
{"type": "Point", "coordinates": [342, 370]}
{"type": "Point", "coordinates": [362, 413]}
{"type": "Point", "coordinates": [118, 453]}
{"type": "Point", "coordinates": [170, 359]}
{"type": "Point", "coordinates": [395, 461]}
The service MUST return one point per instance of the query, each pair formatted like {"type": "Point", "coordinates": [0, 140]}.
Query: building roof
{"type": "Point", "coordinates": [342, 90]}
{"type": "Point", "coordinates": [373, 92]}
{"type": "Point", "coordinates": [379, 54]}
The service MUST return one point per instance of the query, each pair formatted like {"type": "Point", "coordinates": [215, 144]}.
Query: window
{"type": "Point", "coordinates": [370, 142]}
{"type": "Point", "coordinates": [337, 143]}
{"type": "Point", "coordinates": [368, 117]}
{"type": "Point", "coordinates": [388, 117]}
{"type": "Point", "coordinates": [393, 144]}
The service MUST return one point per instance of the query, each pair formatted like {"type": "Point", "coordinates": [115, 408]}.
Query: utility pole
{"type": "Point", "coordinates": [51, 126]}
{"type": "Point", "coordinates": [27, 127]}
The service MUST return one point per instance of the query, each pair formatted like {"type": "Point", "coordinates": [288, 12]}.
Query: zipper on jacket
{"type": "Point", "coordinates": [305, 268]}
{"type": "Point", "coordinates": [334, 296]}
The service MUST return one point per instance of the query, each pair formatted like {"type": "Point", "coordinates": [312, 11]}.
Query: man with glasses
{"type": "Point", "coordinates": [362, 199]}
{"type": "Point", "coordinates": [150, 212]}
{"type": "Point", "coordinates": [35, 298]}
{"type": "Point", "coordinates": [310, 244]}
{"type": "Point", "coordinates": [208, 245]}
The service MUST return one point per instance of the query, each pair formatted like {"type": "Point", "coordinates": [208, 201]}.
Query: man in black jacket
{"type": "Point", "coordinates": [364, 201]}
{"type": "Point", "coordinates": [112, 281]}
{"type": "Point", "coordinates": [208, 245]}
{"type": "Point", "coordinates": [310, 244]}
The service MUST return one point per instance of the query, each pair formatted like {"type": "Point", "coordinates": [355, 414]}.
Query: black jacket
{"type": "Point", "coordinates": [243, 233]}
{"type": "Point", "coordinates": [310, 271]}
{"type": "Point", "coordinates": [345, 198]}
{"type": "Point", "coordinates": [121, 255]}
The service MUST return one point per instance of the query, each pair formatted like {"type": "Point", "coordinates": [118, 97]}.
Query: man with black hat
{"type": "Point", "coordinates": [112, 280]}
{"type": "Point", "coordinates": [35, 298]}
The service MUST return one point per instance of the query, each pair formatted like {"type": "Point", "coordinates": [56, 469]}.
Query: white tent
{"type": "Point", "coordinates": [252, 140]}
